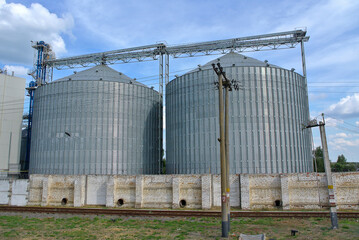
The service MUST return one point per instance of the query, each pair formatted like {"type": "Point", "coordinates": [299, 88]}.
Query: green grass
{"type": "Point", "coordinates": [17, 227]}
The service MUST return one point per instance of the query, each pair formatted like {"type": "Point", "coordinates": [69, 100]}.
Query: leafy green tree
{"type": "Point", "coordinates": [163, 166]}
{"type": "Point", "coordinates": [342, 165]}
{"type": "Point", "coordinates": [350, 167]}
{"type": "Point", "coordinates": [319, 159]}
{"type": "Point", "coordinates": [163, 163]}
{"type": "Point", "coordinates": [341, 159]}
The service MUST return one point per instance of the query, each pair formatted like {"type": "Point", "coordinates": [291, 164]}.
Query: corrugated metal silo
{"type": "Point", "coordinates": [97, 121]}
{"type": "Point", "coordinates": [265, 117]}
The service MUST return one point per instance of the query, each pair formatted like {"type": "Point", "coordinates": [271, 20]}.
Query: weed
{"type": "Point", "coordinates": [12, 227]}
{"type": "Point", "coordinates": [349, 221]}
{"type": "Point", "coordinates": [264, 221]}
{"type": "Point", "coordinates": [11, 233]}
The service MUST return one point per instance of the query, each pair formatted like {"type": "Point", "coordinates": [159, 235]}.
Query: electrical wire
{"type": "Point", "coordinates": [341, 120]}
{"type": "Point", "coordinates": [94, 90]}
{"type": "Point", "coordinates": [347, 129]}
{"type": "Point", "coordinates": [340, 127]}
{"type": "Point", "coordinates": [154, 78]}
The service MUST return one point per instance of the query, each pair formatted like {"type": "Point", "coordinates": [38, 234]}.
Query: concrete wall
{"type": "Point", "coordinates": [14, 192]}
{"type": "Point", "coordinates": [248, 191]}
{"type": "Point", "coordinates": [12, 91]}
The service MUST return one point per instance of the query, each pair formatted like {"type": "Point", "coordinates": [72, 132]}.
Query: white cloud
{"type": "Point", "coordinates": [346, 107]}
{"type": "Point", "coordinates": [129, 23]}
{"type": "Point", "coordinates": [344, 143]}
{"type": "Point", "coordinates": [341, 135]}
{"type": "Point", "coordinates": [331, 122]}
{"type": "Point", "coordinates": [357, 123]}
{"type": "Point", "coordinates": [335, 54]}
{"type": "Point", "coordinates": [329, 24]}
{"type": "Point", "coordinates": [19, 25]}
{"type": "Point", "coordinates": [18, 70]}
{"type": "Point", "coordinates": [324, 19]}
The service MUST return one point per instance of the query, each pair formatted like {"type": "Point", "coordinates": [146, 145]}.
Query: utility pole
{"type": "Point", "coordinates": [224, 149]}
{"type": "Point", "coordinates": [225, 222]}
{"type": "Point", "coordinates": [226, 137]}
{"type": "Point", "coordinates": [328, 171]}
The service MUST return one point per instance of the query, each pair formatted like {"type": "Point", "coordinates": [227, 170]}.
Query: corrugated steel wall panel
{"type": "Point", "coordinates": [265, 122]}
{"type": "Point", "coordinates": [113, 128]}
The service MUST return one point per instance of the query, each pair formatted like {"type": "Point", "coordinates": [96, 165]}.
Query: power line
{"type": "Point", "coordinates": [346, 129]}
{"type": "Point", "coordinates": [337, 82]}
{"type": "Point", "coordinates": [341, 120]}
{"type": "Point", "coordinates": [95, 90]}
{"type": "Point", "coordinates": [325, 86]}
{"type": "Point", "coordinates": [329, 92]}
{"type": "Point", "coordinates": [153, 78]}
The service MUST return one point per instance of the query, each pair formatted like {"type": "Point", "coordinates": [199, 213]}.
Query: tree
{"type": "Point", "coordinates": [163, 162]}
{"type": "Point", "coordinates": [342, 165]}
{"type": "Point", "coordinates": [163, 166]}
{"type": "Point", "coordinates": [341, 159]}
{"type": "Point", "coordinates": [319, 159]}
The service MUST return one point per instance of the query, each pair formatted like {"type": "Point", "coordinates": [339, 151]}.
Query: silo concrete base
{"type": "Point", "coordinates": [248, 191]}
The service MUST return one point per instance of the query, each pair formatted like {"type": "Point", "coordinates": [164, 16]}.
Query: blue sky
{"type": "Point", "coordinates": [75, 27]}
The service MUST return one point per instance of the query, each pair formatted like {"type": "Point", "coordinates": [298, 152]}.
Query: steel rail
{"type": "Point", "coordinates": [173, 213]}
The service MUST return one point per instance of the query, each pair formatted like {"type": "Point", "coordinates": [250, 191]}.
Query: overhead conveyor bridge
{"type": "Point", "coordinates": [273, 41]}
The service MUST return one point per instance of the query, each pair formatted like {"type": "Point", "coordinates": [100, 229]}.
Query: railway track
{"type": "Point", "coordinates": [172, 213]}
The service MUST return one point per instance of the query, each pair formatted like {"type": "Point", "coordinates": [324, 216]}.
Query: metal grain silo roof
{"type": "Point", "coordinates": [100, 73]}
{"type": "Point", "coordinates": [233, 59]}
{"type": "Point", "coordinates": [265, 117]}
{"type": "Point", "coordinates": [97, 121]}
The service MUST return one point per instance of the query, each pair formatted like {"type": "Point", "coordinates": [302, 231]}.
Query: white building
{"type": "Point", "coordinates": [12, 91]}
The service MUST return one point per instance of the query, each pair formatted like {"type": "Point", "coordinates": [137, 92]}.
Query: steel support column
{"type": "Point", "coordinates": [303, 60]}
{"type": "Point", "coordinates": [160, 90]}
{"type": "Point", "coordinates": [304, 68]}
{"type": "Point", "coordinates": [167, 69]}
{"type": "Point", "coordinates": [29, 128]}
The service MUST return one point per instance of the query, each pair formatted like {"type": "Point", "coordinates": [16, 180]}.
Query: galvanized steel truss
{"type": "Point", "coordinates": [274, 41]}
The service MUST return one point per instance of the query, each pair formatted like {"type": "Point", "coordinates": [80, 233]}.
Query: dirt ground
{"type": "Point", "coordinates": [101, 227]}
